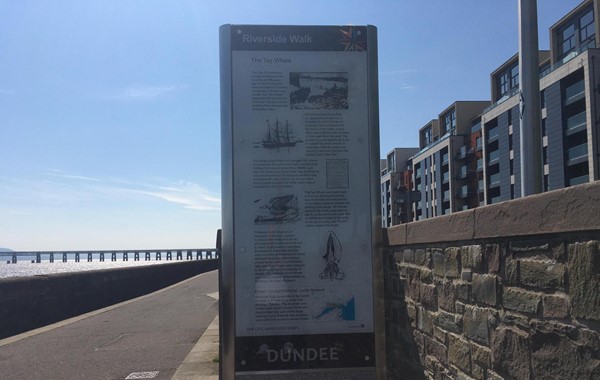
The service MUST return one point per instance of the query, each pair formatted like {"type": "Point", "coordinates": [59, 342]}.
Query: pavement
{"type": "Point", "coordinates": [169, 334]}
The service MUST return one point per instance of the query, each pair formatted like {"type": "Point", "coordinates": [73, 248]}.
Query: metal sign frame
{"type": "Point", "coordinates": [245, 351]}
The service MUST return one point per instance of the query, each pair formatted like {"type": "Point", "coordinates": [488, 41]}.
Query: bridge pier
{"type": "Point", "coordinates": [147, 256]}
{"type": "Point", "coordinates": [38, 257]}
{"type": "Point", "coordinates": [113, 256]}
{"type": "Point", "coordinates": [169, 255]}
{"type": "Point", "coordinates": [189, 255]}
{"type": "Point", "coordinates": [125, 256]}
{"type": "Point", "coordinates": [209, 254]}
{"type": "Point", "coordinates": [14, 259]}
{"type": "Point", "coordinates": [51, 257]}
{"type": "Point", "coordinates": [199, 254]}
{"type": "Point", "coordinates": [77, 257]}
{"type": "Point", "coordinates": [136, 256]}
{"type": "Point", "coordinates": [158, 255]}
{"type": "Point", "coordinates": [102, 256]}
{"type": "Point", "coordinates": [89, 258]}
{"type": "Point", "coordinates": [64, 257]}
{"type": "Point", "coordinates": [179, 256]}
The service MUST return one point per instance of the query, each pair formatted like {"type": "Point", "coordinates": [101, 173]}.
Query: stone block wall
{"type": "Point", "coordinates": [516, 302]}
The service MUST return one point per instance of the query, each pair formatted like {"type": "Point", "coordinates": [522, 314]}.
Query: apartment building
{"type": "Point", "coordinates": [444, 166]}
{"type": "Point", "coordinates": [470, 155]}
{"type": "Point", "coordinates": [396, 186]}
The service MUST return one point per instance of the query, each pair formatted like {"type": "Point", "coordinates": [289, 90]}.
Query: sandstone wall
{"type": "Point", "coordinates": [508, 291]}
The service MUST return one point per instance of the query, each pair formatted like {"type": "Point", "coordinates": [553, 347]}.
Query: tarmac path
{"type": "Point", "coordinates": [146, 338]}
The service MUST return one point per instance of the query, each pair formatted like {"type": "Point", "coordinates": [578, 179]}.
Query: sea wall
{"type": "Point", "coordinates": [31, 302]}
{"type": "Point", "coordinates": [507, 291]}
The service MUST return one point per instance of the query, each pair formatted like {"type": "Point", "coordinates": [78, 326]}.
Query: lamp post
{"type": "Point", "coordinates": [529, 100]}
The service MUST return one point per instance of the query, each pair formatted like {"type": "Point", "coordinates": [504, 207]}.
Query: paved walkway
{"type": "Point", "coordinates": [145, 338]}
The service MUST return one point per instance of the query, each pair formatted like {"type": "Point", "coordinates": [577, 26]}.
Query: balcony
{"type": "Point", "coordinates": [446, 196]}
{"type": "Point", "coordinates": [495, 199]}
{"type": "Point", "coordinates": [579, 180]}
{"type": "Point", "coordinates": [462, 172]}
{"type": "Point", "coordinates": [462, 153]}
{"type": "Point", "coordinates": [576, 123]}
{"type": "Point", "coordinates": [480, 186]}
{"type": "Point", "coordinates": [492, 134]}
{"type": "Point", "coordinates": [463, 192]}
{"type": "Point", "coordinates": [479, 164]}
{"type": "Point", "coordinates": [445, 159]}
{"type": "Point", "coordinates": [445, 177]}
{"type": "Point", "coordinates": [574, 92]}
{"type": "Point", "coordinates": [494, 180]}
{"type": "Point", "coordinates": [493, 157]}
{"type": "Point", "coordinates": [578, 151]}
{"type": "Point", "coordinates": [478, 144]}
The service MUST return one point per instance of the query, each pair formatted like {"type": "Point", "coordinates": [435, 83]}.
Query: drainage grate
{"type": "Point", "coordinates": [142, 375]}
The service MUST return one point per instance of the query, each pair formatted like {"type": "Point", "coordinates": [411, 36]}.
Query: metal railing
{"type": "Point", "coordinates": [576, 121]}
{"type": "Point", "coordinates": [112, 255]}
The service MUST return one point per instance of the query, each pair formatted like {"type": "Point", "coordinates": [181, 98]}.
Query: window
{"type": "Point", "coordinates": [508, 80]}
{"type": "Point", "coordinates": [449, 121]}
{"type": "Point", "coordinates": [586, 28]}
{"type": "Point", "coordinates": [427, 136]}
{"type": "Point", "coordinates": [567, 40]}
{"type": "Point", "coordinates": [503, 84]}
{"type": "Point", "coordinates": [514, 76]}
{"type": "Point", "coordinates": [579, 33]}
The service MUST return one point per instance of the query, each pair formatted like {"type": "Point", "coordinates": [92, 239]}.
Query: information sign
{"type": "Point", "coordinates": [300, 147]}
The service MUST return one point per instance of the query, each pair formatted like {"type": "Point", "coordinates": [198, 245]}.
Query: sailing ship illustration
{"type": "Point", "coordinates": [279, 137]}
{"type": "Point", "coordinates": [282, 209]}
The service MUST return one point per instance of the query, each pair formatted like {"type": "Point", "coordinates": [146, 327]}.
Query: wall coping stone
{"type": "Point", "coordinates": [572, 209]}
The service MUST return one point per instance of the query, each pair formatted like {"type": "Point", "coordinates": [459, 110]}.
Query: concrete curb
{"type": "Point", "coordinates": [201, 364]}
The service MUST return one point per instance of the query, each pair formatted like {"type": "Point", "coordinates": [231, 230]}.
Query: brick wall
{"type": "Point", "coordinates": [519, 299]}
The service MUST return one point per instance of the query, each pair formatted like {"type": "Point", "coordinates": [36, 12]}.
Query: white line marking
{"type": "Point", "coordinates": [142, 375]}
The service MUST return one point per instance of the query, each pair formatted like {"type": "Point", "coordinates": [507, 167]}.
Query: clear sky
{"type": "Point", "coordinates": [109, 109]}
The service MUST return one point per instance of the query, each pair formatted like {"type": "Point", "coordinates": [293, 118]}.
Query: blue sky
{"type": "Point", "coordinates": [109, 110]}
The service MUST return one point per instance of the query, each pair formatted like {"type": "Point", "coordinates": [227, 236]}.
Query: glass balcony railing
{"type": "Point", "coordinates": [495, 199]}
{"type": "Point", "coordinates": [462, 172]}
{"type": "Point", "coordinates": [463, 191]}
{"type": "Point", "coordinates": [493, 133]}
{"type": "Point", "coordinates": [479, 164]}
{"type": "Point", "coordinates": [577, 152]}
{"type": "Point", "coordinates": [446, 195]}
{"type": "Point", "coordinates": [494, 179]}
{"type": "Point", "coordinates": [418, 172]}
{"type": "Point", "coordinates": [493, 156]}
{"type": "Point", "coordinates": [462, 153]}
{"type": "Point", "coordinates": [576, 121]}
{"type": "Point", "coordinates": [574, 92]}
{"type": "Point", "coordinates": [579, 180]}
{"type": "Point", "coordinates": [480, 186]}
{"type": "Point", "coordinates": [478, 144]}
{"type": "Point", "coordinates": [476, 127]}
{"type": "Point", "coordinates": [445, 177]}
{"type": "Point", "coordinates": [445, 159]}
